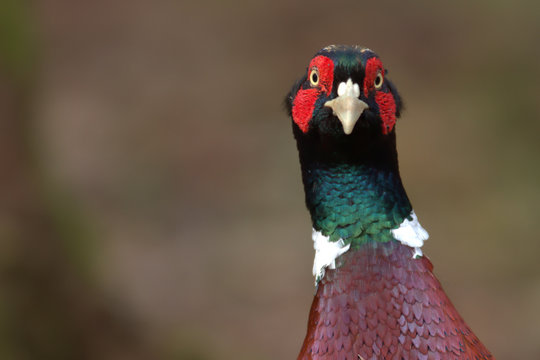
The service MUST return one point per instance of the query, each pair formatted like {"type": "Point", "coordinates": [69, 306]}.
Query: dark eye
{"type": "Point", "coordinates": [378, 81]}
{"type": "Point", "coordinates": [314, 77]}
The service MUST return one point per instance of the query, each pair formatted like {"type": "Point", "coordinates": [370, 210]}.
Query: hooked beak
{"type": "Point", "coordinates": [347, 106]}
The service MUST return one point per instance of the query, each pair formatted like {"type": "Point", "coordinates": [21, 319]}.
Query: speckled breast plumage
{"type": "Point", "coordinates": [380, 303]}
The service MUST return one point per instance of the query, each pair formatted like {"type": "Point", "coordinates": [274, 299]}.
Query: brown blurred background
{"type": "Point", "coordinates": [151, 203]}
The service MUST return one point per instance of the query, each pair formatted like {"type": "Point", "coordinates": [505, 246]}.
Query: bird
{"type": "Point", "coordinates": [376, 294]}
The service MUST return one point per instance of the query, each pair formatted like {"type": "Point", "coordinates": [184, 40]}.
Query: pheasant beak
{"type": "Point", "coordinates": [347, 106]}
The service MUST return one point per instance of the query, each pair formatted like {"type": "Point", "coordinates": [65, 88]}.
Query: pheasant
{"type": "Point", "coordinates": [376, 295]}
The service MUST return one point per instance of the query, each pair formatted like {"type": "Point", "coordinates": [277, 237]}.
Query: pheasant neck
{"type": "Point", "coordinates": [353, 188]}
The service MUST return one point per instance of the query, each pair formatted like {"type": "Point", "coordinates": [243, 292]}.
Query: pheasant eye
{"type": "Point", "coordinates": [378, 81]}
{"type": "Point", "coordinates": [314, 77]}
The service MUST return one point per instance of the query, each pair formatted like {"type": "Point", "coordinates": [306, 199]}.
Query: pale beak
{"type": "Point", "coordinates": [347, 106]}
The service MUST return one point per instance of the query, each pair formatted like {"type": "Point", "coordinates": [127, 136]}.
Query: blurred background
{"type": "Point", "coordinates": [151, 202]}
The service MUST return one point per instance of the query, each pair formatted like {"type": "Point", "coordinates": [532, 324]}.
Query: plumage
{"type": "Point", "coordinates": [377, 297]}
{"type": "Point", "coordinates": [380, 303]}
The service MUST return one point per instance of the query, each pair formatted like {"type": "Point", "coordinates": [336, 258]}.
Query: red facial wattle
{"type": "Point", "coordinates": [304, 102]}
{"type": "Point", "coordinates": [303, 106]}
{"type": "Point", "coordinates": [385, 100]}
{"type": "Point", "coordinates": [387, 110]}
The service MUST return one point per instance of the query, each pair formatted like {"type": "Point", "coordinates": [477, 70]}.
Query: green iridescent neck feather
{"type": "Point", "coordinates": [353, 192]}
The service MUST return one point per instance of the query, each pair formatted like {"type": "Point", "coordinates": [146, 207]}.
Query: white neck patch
{"type": "Point", "coordinates": [326, 253]}
{"type": "Point", "coordinates": [409, 233]}
{"type": "Point", "coordinates": [412, 234]}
